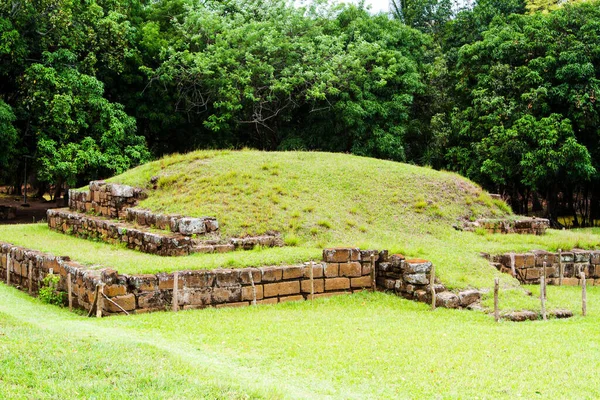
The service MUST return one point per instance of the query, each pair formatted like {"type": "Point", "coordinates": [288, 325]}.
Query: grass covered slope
{"type": "Point", "coordinates": [314, 199]}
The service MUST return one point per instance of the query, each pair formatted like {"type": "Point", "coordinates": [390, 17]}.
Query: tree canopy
{"type": "Point", "coordinates": [504, 92]}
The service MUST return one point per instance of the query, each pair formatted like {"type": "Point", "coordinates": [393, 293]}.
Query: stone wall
{"type": "Point", "coordinates": [342, 272]}
{"type": "Point", "coordinates": [164, 244]}
{"type": "Point", "coordinates": [530, 226]}
{"type": "Point", "coordinates": [174, 223]}
{"type": "Point", "coordinates": [106, 199]}
{"type": "Point", "coordinates": [411, 279]}
{"type": "Point", "coordinates": [528, 267]}
{"type": "Point", "coordinates": [8, 212]}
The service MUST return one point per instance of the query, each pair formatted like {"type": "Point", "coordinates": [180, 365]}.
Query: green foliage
{"type": "Point", "coordinates": [49, 292]}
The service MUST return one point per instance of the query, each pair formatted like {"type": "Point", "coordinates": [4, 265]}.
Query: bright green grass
{"type": "Point", "coordinates": [360, 346]}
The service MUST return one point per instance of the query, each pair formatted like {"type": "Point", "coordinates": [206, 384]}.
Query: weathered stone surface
{"type": "Point", "coordinates": [319, 285]}
{"type": "Point", "coordinates": [362, 282]}
{"type": "Point", "coordinates": [417, 266]}
{"type": "Point", "coordinates": [350, 269]}
{"type": "Point", "coordinates": [293, 272]}
{"type": "Point", "coordinates": [417, 279]}
{"type": "Point", "coordinates": [447, 300]}
{"type": "Point", "coordinates": [317, 270]}
{"type": "Point", "coordinates": [192, 226]}
{"type": "Point", "coordinates": [331, 270]}
{"type": "Point", "coordinates": [271, 274]}
{"type": "Point", "coordinates": [519, 316]}
{"type": "Point", "coordinates": [561, 313]}
{"type": "Point", "coordinates": [127, 302]}
{"type": "Point", "coordinates": [248, 292]}
{"type": "Point", "coordinates": [340, 255]}
{"type": "Point", "coordinates": [281, 289]}
{"type": "Point", "coordinates": [467, 297]}
{"type": "Point", "coordinates": [229, 294]}
{"type": "Point", "coordinates": [227, 277]}
{"type": "Point", "coordinates": [532, 274]}
{"type": "Point", "coordinates": [337, 284]}
{"type": "Point", "coordinates": [291, 298]}
{"type": "Point", "coordinates": [115, 290]}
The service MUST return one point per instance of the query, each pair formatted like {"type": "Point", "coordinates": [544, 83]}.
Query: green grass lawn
{"type": "Point", "coordinates": [360, 346]}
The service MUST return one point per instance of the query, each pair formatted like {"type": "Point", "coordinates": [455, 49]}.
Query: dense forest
{"type": "Point", "coordinates": [503, 92]}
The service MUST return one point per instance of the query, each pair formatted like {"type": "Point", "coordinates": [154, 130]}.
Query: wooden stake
{"type": "Point", "coordinates": [95, 302]}
{"type": "Point", "coordinates": [30, 276]}
{"type": "Point", "coordinates": [176, 291]}
{"type": "Point", "coordinates": [100, 300]}
{"type": "Point", "coordinates": [105, 297]}
{"type": "Point", "coordinates": [583, 294]}
{"type": "Point", "coordinates": [432, 286]}
{"type": "Point", "coordinates": [512, 265]}
{"type": "Point", "coordinates": [312, 280]}
{"type": "Point", "coordinates": [253, 288]}
{"type": "Point", "coordinates": [8, 265]}
{"type": "Point", "coordinates": [545, 278]}
{"type": "Point", "coordinates": [496, 309]}
{"type": "Point", "coordinates": [560, 268]}
{"type": "Point", "coordinates": [373, 274]}
{"type": "Point", "coordinates": [70, 291]}
{"type": "Point", "coordinates": [543, 297]}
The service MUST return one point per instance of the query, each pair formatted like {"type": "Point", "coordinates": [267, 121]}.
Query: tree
{"type": "Point", "coordinates": [428, 16]}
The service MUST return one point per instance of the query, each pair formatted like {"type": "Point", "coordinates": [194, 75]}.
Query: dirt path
{"type": "Point", "coordinates": [27, 215]}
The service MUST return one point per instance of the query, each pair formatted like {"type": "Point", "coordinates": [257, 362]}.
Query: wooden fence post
{"type": "Point", "coordinates": [30, 276]}
{"type": "Point", "coordinates": [99, 300]}
{"type": "Point", "coordinates": [70, 291]}
{"type": "Point", "coordinates": [175, 302]}
{"type": "Point", "coordinates": [583, 294]}
{"type": "Point", "coordinates": [496, 308]}
{"type": "Point", "coordinates": [373, 274]}
{"type": "Point", "coordinates": [312, 280]}
{"type": "Point", "coordinates": [432, 286]}
{"type": "Point", "coordinates": [545, 280]}
{"type": "Point", "coordinates": [8, 265]}
{"type": "Point", "coordinates": [543, 297]}
{"type": "Point", "coordinates": [560, 268]}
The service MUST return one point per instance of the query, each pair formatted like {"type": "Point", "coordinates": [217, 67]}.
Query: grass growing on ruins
{"type": "Point", "coordinates": [40, 237]}
{"type": "Point", "coordinates": [359, 346]}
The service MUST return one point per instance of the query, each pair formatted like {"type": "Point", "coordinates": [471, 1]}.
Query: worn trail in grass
{"type": "Point", "coordinates": [359, 346]}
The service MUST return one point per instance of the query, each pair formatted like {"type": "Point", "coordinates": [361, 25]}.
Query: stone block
{"type": "Point", "coordinates": [281, 288]}
{"type": "Point", "coordinates": [272, 300]}
{"type": "Point", "coordinates": [192, 226]}
{"type": "Point", "coordinates": [144, 283]}
{"type": "Point", "coordinates": [297, 297]}
{"type": "Point", "coordinates": [317, 270]}
{"type": "Point", "coordinates": [366, 268]}
{"type": "Point", "coordinates": [396, 260]}
{"type": "Point", "coordinates": [224, 248]}
{"type": "Point", "coordinates": [127, 302]}
{"type": "Point", "coordinates": [416, 279]}
{"type": "Point", "coordinates": [227, 277]}
{"type": "Point", "coordinates": [165, 281]}
{"type": "Point", "coordinates": [417, 266]}
{"type": "Point", "coordinates": [115, 290]}
{"type": "Point", "coordinates": [237, 304]}
{"type": "Point", "coordinates": [318, 284]}
{"type": "Point", "coordinates": [570, 281]}
{"type": "Point", "coordinates": [151, 300]}
{"type": "Point", "coordinates": [362, 282]}
{"type": "Point", "coordinates": [331, 270]}
{"type": "Point", "coordinates": [580, 256]}
{"type": "Point", "coordinates": [197, 279]}
{"type": "Point", "coordinates": [196, 297]}
{"type": "Point", "coordinates": [341, 254]}
{"type": "Point", "coordinates": [250, 274]}
{"type": "Point", "coordinates": [292, 272]}
{"type": "Point", "coordinates": [247, 292]}
{"type": "Point", "coordinates": [468, 297]}
{"type": "Point", "coordinates": [231, 294]}
{"type": "Point", "coordinates": [524, 260]}
{"type": "Point", "coordinates": [271, 274]}
{"type": "Point", "coordinates": [351, 269]}
{"type": "Point", "coordinates": [365, 255]}
{"type": "Point", "coordinates": [447, 300]}
{"type": "Point", "coordinates": [337, 284]}
{"type": "Point", "coordinates": [532, 274]}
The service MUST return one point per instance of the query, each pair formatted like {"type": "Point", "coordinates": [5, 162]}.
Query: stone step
{"type": "Point", "coordinates": [147, 240]}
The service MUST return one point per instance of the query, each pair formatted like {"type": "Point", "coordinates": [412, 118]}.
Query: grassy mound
{"type": "Point", "coordinates": [314, 199]}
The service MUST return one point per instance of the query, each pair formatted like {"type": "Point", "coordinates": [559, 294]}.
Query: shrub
{"type": "Point", "coordinates": [49, 292]}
